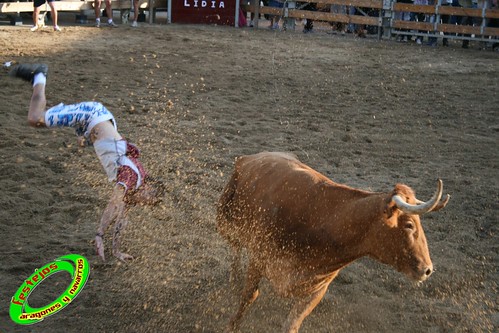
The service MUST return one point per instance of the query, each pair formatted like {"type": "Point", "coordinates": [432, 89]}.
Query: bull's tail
{"type": "Point", "coordinates": [225, 204]}
{"type": "Point", "coordinates": [226, 226]}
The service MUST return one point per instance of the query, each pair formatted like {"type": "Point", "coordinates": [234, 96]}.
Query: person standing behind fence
{"type": "Point", "coordinates": [274, 19]}
{"type": "Point", "coordinates": [485, 22]}
{"type": "Point", "coordinates": [466, 20]}
{"type": "Point", "coordinates": [309, 25]}
{"type": "Point", "coordinates": [419, 17]}
{"type": "Point", "coordinates": [37, 4]}
{"type": "Point", "coordinates": [403, 16]}
{"type": "Point", "coordinates": [432, 40]}
{"type": "Point", "coordinates": [494, 23]}
{"type": "Point", "coordinates": [109, 12]}
{"type": "Point", "coordinates": [449, 19]}
{"type": "Point", "coordinates": [339, 26]}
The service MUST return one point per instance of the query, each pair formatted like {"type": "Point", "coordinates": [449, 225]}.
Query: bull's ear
{"type": "Point", "coordinates": [390, 212]}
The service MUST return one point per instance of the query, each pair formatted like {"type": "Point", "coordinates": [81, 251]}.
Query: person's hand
{"type": "Point", "coordinates": [99, 246]}
{"type": "Point", "coordinates": [122, 256]}
{"type": "Point", "coordinates": [82, 141]}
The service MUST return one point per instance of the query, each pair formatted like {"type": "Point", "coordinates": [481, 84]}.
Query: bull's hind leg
{"type": "Point", "coordinates": [235, 267]}
{"type": "Point", "coordinates": [248, 296]}
{"type": "Point", "coordinates": [301, 309]}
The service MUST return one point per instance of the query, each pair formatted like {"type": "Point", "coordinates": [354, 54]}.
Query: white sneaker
{"type": "Point", "coordinates": [134, 24]}
{"type": "Point", "coordinates": [97, 23]}
{"type": "Point", "coordinates": [34, 28]}
{"type": "Point", "coordinates": [57, 29]}
{"type": "Point", "coordinates": [112, 24]}
{"type": "Point", "coordinates": [418, 41]}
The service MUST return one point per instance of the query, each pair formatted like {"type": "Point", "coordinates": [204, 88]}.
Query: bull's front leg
{"type": "Point", "coordinates": [248, 296]}
{"type": "Point", "coordinates": [302, 308]}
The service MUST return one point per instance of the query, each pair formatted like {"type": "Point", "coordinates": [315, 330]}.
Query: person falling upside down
{"type": "Point", "coordinates": [94, 124]}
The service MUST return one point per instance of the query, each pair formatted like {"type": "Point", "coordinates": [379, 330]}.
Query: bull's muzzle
{"type": "Point", "coordinates": [425, 272]}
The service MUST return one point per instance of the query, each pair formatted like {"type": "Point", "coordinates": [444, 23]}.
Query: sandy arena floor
{"type": "Point", "coordinates": [363, 112]}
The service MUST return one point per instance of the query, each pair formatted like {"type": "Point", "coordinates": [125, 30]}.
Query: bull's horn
{"type": "Point", "coordinates": [421, 207]}
{"type": "Point", "coordinates": [443, 202]}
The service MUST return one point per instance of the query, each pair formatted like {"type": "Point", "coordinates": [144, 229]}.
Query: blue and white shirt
{"type": "Point", "coordinates": [81, 116]}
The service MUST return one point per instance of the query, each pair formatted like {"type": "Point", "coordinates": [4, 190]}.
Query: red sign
{"type": "Point", "coordinates": [220, 12]}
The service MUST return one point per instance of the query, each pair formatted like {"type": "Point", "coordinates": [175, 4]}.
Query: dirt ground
{"type": "Point", "coordinates": [363, 112]}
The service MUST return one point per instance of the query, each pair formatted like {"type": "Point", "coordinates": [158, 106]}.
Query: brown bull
{"type": "Point", "coordinates": [300, 229]}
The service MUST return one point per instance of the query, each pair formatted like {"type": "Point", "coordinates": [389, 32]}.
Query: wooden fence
{"type": "Point", "coordinates": [480, 31]}
{"type": "Point", "coordinates": [291, 11]}
{"type": "Point", "coordinates": [386, 19]}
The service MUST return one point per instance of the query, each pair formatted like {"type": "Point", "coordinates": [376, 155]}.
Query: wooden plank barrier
{"type": "Point", "coordinates": [376, 4]}
{"type": "Point", "coordinates": [481, 32]}
{"type": "Point", "coordinates": [387, 21]}
{"type": "Point", "coordinates": [317, 16]}
{"type": "Point", "coordinates": [78, 6]}
{"type": "Point", "coordinates": [446, 10]}
{"type": "Point", "coordinates": [322, 14]}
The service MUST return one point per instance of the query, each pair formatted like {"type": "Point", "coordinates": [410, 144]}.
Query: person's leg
{"type": "Point", "coordinates": [445, 20]}
{"type": "Point", "coordinates": [36, 14]}
{"type": "Point", "coordinates": [432, 41]}
{"type": "Point", "coordinates": [351, 27]}
{"type": "Point", "coordinates": [309, 26]}
{"type": "Point", "coordinates": [97, 12]}
{"type": "Point", "coordinates": [109, 12]}
{"type": "Point", "coordinates": [466, 20]}
{"type": "Point", "coordinates": [135, 12]}
{"type": "Point", "coordinates": [53, 10]}
{"type": "Point", "coordinates": [277, 19]}
{"type": "Point", "coordinates": [37, 106]}
{"type": "Point", "coordinates": [37, 75]}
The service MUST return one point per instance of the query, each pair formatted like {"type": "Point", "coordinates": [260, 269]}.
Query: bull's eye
{"type": "Point", "coordinates": [410, 225]}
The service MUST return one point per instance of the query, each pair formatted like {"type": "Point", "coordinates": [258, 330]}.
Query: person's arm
{"type": "Point", "coordinates": [121, 223]}
{"type": "Point", "coordinates": [115, 210]}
